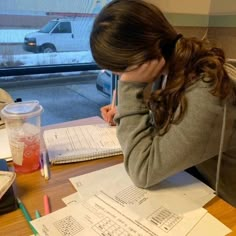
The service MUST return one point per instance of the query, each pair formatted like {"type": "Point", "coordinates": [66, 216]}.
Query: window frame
{"type": "Point", "coordinates": [47, 69]}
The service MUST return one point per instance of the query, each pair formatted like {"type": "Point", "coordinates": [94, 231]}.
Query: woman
{"type": "Point", "coordinates": [190, 119]}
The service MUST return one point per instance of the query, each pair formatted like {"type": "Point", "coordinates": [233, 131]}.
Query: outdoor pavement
{"type": "Point", "coordinates": [63, 100]}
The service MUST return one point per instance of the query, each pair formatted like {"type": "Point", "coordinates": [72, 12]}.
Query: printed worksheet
{"type": "Point", "coordinates": [100, 215]}
{"type": "Point", "coordinates": [92, 217]}
{"type": "Point", "coordinates": [182, 183]}
{"type": "Point", "coordinates": [145, 212]}
{"type": "Point", "coordinates": [107, 203]}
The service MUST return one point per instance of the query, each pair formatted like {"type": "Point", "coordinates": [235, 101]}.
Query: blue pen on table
{"type": "Point", "coordinates": [26, 215]}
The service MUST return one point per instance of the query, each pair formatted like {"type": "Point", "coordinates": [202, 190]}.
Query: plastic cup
{"type": "Point", "coordinates": [23, 124]}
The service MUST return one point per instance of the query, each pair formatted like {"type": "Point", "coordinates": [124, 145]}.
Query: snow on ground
{"type": "Point", "coordinates": [49, 58]}
{"type": "Point", "coordinates": [17, 36]}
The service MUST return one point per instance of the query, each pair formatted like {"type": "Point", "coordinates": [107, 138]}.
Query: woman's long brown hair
{"type": "Point", "coordinates": [131, 32]}
{"type": "Point", "coordinates": [191, 61]}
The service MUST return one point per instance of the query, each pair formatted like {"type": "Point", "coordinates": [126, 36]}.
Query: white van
{"type": "Point", "coordinates": [60, 35]}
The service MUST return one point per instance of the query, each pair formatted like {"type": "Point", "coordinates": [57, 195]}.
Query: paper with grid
{"type": "Point", "coordinates": [80, 143]}
{"type": "Point", "coordinates": [124, 209]}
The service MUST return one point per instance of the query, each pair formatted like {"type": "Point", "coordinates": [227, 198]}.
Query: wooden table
{"type": "Point", "coordinates": [30, 188]}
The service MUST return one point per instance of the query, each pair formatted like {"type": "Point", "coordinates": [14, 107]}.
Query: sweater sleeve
{"type": "Point", "coordinates": [150, 158]}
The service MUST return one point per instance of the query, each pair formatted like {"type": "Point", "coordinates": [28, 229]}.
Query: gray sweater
{"type": "Point", "coordinates": [195, 141]}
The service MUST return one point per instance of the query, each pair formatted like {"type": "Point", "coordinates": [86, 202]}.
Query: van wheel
{"type": "Point", "coordinates": [48, 48]}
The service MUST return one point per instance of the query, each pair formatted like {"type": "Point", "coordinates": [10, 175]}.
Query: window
{"type": "Point", "coordinates": [45, 48]}
{"type": "Point", "coordinates": [63, 27]}
{"type": "Point", "coordinates": [48, 27]}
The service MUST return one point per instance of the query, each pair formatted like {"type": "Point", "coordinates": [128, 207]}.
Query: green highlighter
{"type": "Point", "coordinates": [37, 214]}
{"type": "Point", "coordinates": [27, 216]}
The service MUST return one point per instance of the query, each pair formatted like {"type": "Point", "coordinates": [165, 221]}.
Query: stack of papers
{"type": "Point", "coordinates": [6, 180]}
{"type": "Point", "coordinates": [108, 203]}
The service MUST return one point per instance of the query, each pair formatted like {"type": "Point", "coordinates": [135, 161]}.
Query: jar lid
{"type": "Point", "coordinates": [24, 109]}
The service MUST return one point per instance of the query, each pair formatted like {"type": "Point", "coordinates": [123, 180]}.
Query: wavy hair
{"type": "Point", "coordinates": [131, 32]}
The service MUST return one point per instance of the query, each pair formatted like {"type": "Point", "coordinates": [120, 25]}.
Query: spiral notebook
{"type": "Point", "coordinates": [81, 143]}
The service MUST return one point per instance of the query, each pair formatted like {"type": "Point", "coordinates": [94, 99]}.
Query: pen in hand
{"type": "Point", "coordinates": [110, 110]}
{"type": "Point", "coordinates": [113, 103]}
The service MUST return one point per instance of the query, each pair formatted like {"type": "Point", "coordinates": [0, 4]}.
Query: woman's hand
{"type": "Point", "coordinates": [108, 112]}
{"type": "Point", "coordinates": [146, 72]}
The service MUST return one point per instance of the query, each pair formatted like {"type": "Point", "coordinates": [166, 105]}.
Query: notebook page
{"type": "Point", "coordinates": [79, 143]}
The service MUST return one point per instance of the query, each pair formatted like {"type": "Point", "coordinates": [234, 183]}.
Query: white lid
{"type": "Point", "coordinates": [24, 109]}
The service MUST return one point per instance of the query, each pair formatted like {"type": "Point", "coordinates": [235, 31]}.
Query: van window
{"type": "Point", "coordinates": [48, 27]}
{"type": "Point", "coordinates": [63, 27]}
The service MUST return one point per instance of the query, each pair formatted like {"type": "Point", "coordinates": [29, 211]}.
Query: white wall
{"type": "Point", "coordinates": [200, 7]}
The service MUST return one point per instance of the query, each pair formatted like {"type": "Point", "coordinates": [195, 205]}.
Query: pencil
{"type": "Point", "coordinates": [113, 103]}
{"type": "Point", "coordinates": [26, 215]}
{"type": "Point", "coordinates": [45, 166]}
{"type": "Point", "coordinates": [46, 204]}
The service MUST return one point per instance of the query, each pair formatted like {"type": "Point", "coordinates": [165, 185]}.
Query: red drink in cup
{"type": "Point", "coordinates": [31, 155]}
{"type": "Point", "coordinates": [23, 127]}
